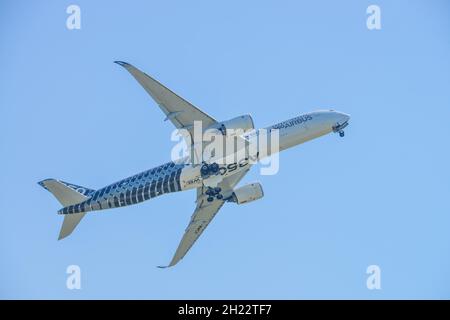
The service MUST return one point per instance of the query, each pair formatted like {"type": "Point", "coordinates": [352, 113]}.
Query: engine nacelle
{"type": "Point", "coordinates": [238, 125]}
{"type": "Point", "coordinates": [247, 193]}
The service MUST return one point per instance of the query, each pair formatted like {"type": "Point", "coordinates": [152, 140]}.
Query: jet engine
{"type": "Point", "coordinates": [247, 193]}
{"type": "Point", "coordinates": [238, 125]}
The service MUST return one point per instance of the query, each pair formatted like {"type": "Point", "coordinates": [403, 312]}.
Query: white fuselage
{"type": "Point", "coordinates": [308, 126]}
{"type": "Point", "coordinates": [290, 132]}
{"type": "Point", "coordinates": [174, 176]}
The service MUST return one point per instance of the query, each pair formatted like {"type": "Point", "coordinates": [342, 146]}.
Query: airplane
{"type": "Point", "coordinates": [215, 184]}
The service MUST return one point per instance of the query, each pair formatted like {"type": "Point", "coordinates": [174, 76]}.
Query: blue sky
{"type": "Point", "coordinates": [378, 196]}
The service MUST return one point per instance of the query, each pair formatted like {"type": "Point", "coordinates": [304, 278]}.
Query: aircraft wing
{"type": "Point", "coordinates": [203, 214]}
{"type": "Point", "coordinates": [179, 111]}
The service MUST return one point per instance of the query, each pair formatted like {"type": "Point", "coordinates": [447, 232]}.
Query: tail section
{"type": "Point", "coordinates": [67, 194]}
{"type": "Point", "coordinates": [69, 224]}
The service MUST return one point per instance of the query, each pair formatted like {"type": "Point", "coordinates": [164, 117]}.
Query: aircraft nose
{"type": "Point", "coordinates": [341, 121]}
{"type": "Point", "coordinates": [343, 117]}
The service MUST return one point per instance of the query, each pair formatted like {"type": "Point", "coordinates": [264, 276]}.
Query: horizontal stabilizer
{"type": "Point", "coordinates": [67, 194]}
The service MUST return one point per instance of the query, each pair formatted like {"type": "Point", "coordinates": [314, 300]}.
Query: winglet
{"type": "Point", "coordinates": [122, 63]}
{"type": "Point", "coordinates": [162, 267]}
{"type": "Point", "coordinates": [42, 184]}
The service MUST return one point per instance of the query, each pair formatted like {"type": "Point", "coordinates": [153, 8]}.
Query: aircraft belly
{"type": "Point", "coordinates": [296, 135]}
{"type": "Point", "coordinates": [135, 189]}
{"type": "Point", "coordinates": [190, 178]}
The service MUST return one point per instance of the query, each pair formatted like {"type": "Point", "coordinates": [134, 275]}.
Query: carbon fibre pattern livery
{"type": "Point", "coordinates": [140, 187]}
